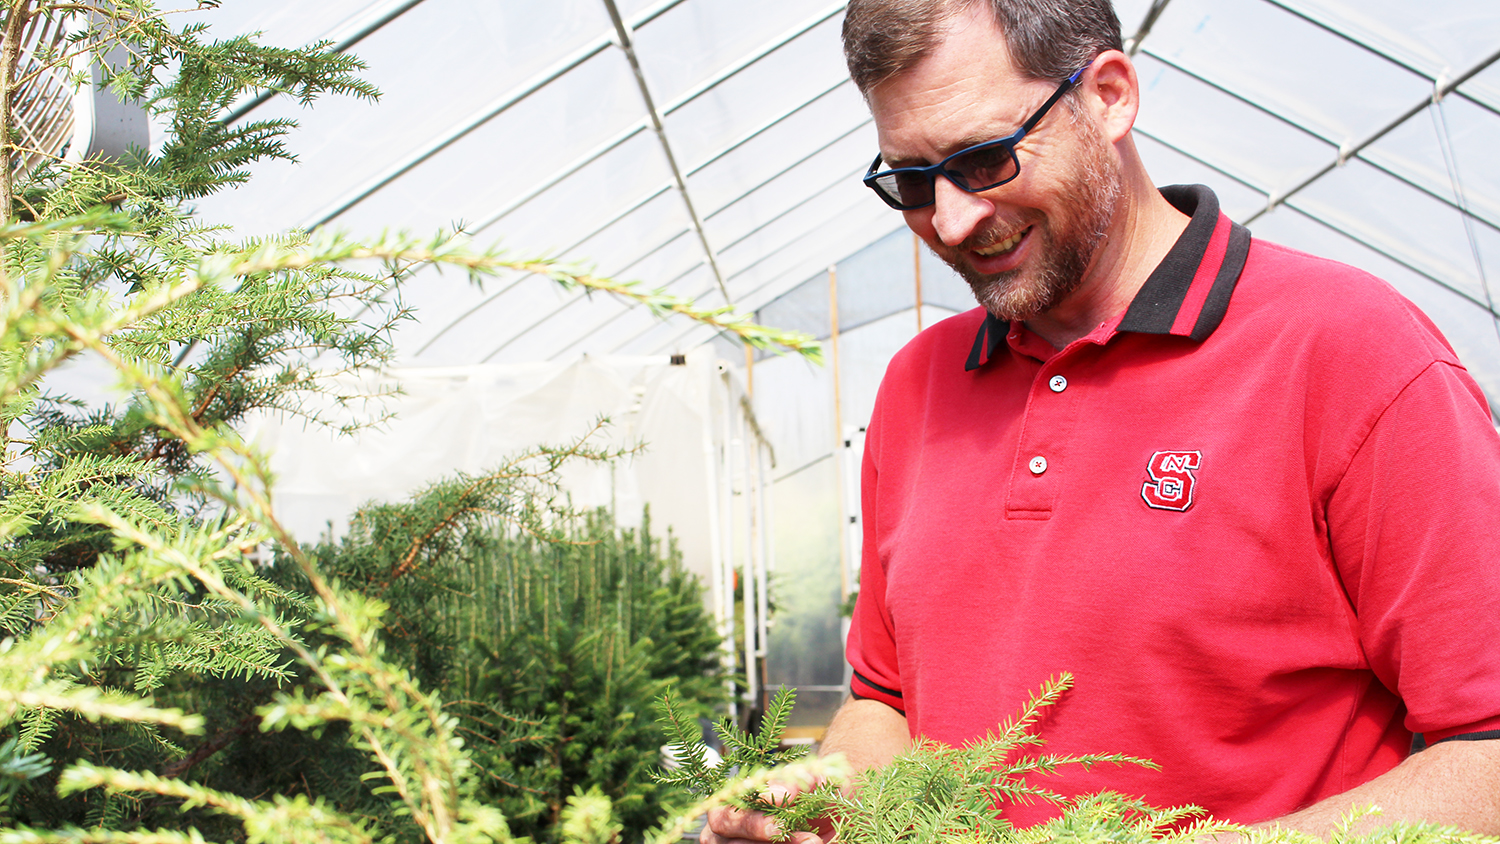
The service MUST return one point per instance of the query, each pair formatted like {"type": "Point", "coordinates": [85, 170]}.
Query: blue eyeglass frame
{"type": "Point", "coordinates": [932, 171]}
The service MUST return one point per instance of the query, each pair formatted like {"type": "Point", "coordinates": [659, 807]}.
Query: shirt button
{"type": "Point", "coordinates": [1038, 465]}
{"type": "Point", "coordinates": [1058, 383]}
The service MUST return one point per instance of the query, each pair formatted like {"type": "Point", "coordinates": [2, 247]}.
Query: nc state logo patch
{"type": "Point", "coordinates": [1171, 480]}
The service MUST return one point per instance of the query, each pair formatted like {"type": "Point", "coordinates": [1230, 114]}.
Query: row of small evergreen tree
{"type": "Point", "coordinates": [551, 651]}
{"type": "Point", "coordinates": [555, 647]}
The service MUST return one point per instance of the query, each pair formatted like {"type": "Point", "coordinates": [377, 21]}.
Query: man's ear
{"type": "Point", "coordinates": [1112, 92]}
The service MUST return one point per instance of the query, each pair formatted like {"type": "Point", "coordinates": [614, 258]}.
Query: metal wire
{"type": "Point", "coordinates": [717, 156]}
{"type": "Point", "coordinates": [1344, 153]}
{"type": "Point", "coordinates": [625, 39]}
{"type": "Point", "coordinates": [1450, 160]}
{"type": "Point", "coordinates": [1351, 150]}
{"type": "Point", "coordinates": [1329, 27]}
{"type": "Point", "coordinates": [1362, 241]}
{"type": "Point", "coordinates": [1133, 43]}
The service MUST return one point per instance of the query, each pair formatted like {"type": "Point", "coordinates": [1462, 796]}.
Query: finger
{"type": "Point", "coordinates": [729, 824]}
{"type": "Point", "coordinates": [792, 787]}
{"type": "Point", "coordinates": [780, 794]}
{"type": "Point", "coordinates": [708, 836]}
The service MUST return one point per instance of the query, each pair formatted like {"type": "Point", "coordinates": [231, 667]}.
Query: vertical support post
{"type": "Point", "coordinates": [750, 371]}
{"type": "Point", "coordinates": [718, 583]}
{"type": "Point", "coordinates": [726, 536]}
{"type": "Point", "coordinates": [759, 537]}
{"type": "Point", "coordinates": [767, 550]}
{"type": "Point", "coordinates": [749, 562]}
{"type": "Point", "coordinates": [838, 428]}
{"type": "Point", "coordinates": [916, 266]}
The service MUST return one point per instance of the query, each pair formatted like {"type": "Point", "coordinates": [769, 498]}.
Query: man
{"type": "Point", "coordinates": [1246, 496]}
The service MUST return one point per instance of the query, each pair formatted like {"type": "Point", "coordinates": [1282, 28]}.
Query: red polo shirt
{"type": "Point", "coordinates": [1255, 516]}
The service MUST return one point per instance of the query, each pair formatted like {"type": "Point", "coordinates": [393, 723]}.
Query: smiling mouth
{"type": "Point", "coordinates": [1003, 246]}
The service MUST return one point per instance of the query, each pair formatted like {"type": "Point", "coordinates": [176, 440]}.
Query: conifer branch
{"type": "Point", "coordinates": [459, 251]}
{"type": "Point", "coordinates": [206, 750]}
{"type": "Point", "coordinates": [93, 704]}
{"type": "Point", "coordinates": [97, 835]}
{"type": "Point", "coordinates": [931, 792]}
{"type": "Point", "coordinates": [296, 818]}
{"type": "Point", "coordinates": [53, 592]}
{"type": "Point", "coordinates": [432, 810]}
{"type": "Point", "coordinates": [270, 257]}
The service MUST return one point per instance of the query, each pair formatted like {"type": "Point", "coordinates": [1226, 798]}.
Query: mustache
{"type": "Point", "coordinates": [999, 232]}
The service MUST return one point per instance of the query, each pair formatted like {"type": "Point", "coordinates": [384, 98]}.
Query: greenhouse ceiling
{"type": "Point", "coordinates": [714, 148]}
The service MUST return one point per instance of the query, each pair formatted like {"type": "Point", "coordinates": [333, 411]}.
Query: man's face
{"type": "Point", "coordinates": [1026, 245]}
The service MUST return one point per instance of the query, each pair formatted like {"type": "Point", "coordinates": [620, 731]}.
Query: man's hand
{"type": "Point", "coordinates": [869, 734]}
{"type": "Point", "coordinates": [728, 825]}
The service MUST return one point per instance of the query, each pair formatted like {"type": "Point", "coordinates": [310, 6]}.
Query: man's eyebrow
{"type": "Point", "coordinates": [892, 162]}
{"type": "Point", "coordinates": [977, 139]}
{"type": "Point", "coordinates": [962, 144]}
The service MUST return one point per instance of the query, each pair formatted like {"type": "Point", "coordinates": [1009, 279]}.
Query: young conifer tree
{"type": "Point", "coordinates": [551, 636]}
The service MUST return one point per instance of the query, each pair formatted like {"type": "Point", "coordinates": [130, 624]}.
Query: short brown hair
{"type": "Point", "coordinates": [1048, 39]}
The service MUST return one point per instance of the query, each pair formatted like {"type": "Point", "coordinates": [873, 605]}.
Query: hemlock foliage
{"type": "Point", "coordinates": [157, 681]}
{"type": "Point", "coordinates": [937, 793]}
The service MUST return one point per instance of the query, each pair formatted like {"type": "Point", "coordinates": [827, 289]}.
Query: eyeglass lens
{"type": "Point", "coordinates": [973, 170]}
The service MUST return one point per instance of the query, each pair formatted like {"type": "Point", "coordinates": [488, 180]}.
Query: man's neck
{"type": "Point", "coordinates": [1145, 231]}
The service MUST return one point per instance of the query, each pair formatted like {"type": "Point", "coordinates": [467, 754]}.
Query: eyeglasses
{"type": "Point", "coordinates": [973, 169]}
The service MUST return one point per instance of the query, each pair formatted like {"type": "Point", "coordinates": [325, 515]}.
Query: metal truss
{"type": "Point", "coordinates": [494, 109]}
{"type": "Point", "coordinates": [841, 180]}
{"type": "Point", "coordinates": [1323, 23]}
{"type": "Point", "coordinates": [736, 144]}
{"type": "Point", "coordinates": [1342, 230]}
{"type": "Point", "coordinates": [386, 12]}
{"type": "Point", "coordinates": [716, 156]}
{"type": "Point", "coordinates": [625, 40]}
{"type": "Point", "coordinates": [1343, 152]}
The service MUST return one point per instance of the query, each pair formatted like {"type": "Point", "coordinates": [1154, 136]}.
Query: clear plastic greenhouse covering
{"type": "Point", "coordinates": [714, 147]}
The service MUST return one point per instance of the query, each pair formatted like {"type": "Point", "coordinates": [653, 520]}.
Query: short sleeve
{"type": "Point", "coordinates": [1414, 526]}
{"type": "Point", "coordinates": [871, 647]}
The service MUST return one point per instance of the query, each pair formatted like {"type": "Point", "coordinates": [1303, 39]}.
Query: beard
{"type": "Point", "coordinates": [1066, 244]}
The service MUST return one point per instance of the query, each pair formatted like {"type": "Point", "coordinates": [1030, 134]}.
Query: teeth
{"type": "Point", "coordinates": [1003, 246]}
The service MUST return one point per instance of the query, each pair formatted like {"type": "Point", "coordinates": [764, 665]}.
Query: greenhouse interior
{"type": "Point", "coordinates": [701, 149]}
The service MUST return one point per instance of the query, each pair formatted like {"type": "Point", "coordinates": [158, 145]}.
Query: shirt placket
{"type": "Point", "coordinates": [1042, 452]}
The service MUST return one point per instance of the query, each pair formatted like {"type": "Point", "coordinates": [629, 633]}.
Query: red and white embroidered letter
{"type": "Point", "coordinates": [1172, 480]}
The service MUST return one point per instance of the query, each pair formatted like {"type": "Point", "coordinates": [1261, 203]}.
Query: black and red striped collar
{"type": "Point", "coordinates": [1187, 294]}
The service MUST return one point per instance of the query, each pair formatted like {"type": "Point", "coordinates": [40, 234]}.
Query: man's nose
{"type": "Point", "coordinates": [957, 214]}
